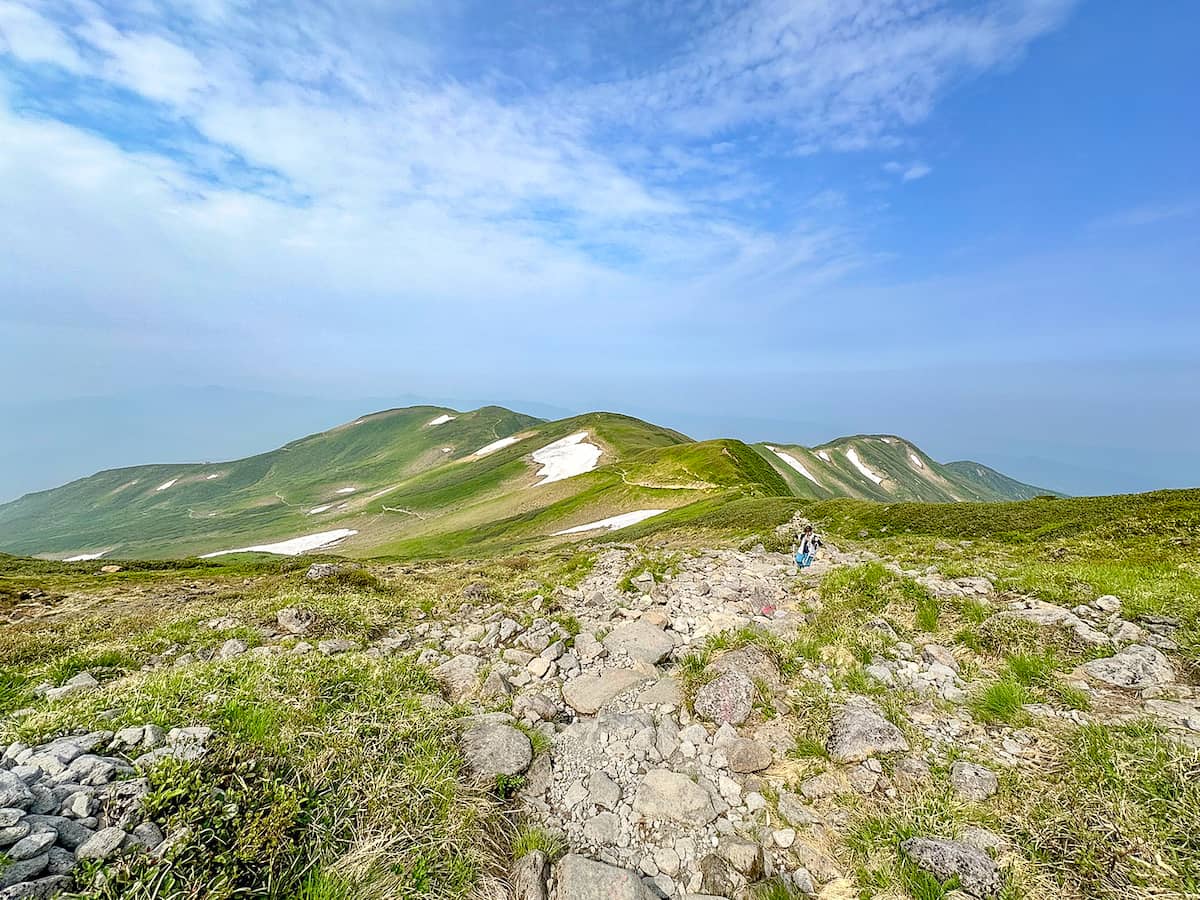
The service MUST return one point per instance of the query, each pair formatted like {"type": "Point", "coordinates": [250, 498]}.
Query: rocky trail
{"type": "Point", "coordinates": [663, 756]}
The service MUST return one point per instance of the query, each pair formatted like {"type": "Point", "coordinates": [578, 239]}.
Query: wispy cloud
{"type": "Point", "coordinates": [197, 158]}
{"type": "Point", "coordinates": [1151, 214]}
{"type": "Point", "coordinates": [908, 171]}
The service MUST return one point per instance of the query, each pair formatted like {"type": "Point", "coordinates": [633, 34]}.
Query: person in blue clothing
{"type": "Point", "coordinates": [809, 542]}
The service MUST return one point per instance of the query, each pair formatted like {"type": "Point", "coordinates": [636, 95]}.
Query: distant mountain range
{"type": "Point", "coordinates": [430, 480]}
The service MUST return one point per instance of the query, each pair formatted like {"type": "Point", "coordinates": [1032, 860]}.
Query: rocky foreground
{"type": "Point", "coordinates": [647, 726]}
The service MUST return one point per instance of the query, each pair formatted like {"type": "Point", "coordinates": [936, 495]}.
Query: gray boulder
{"type": "Point", "coordinates": [727, 698]}
{"type": "Point", "coordinates": [101, 845]}
{"type": "Point", "coordinates": [23, 870]}
{"type": "Point", "coordinates": [672, 796]}
{"type": "Point", "coordinates": [1136, 667]}
{"type": "Point", "coordinates": [319, 571]}
{"type": "Point", "coordinates": [639, 640]}
{"type": "Point", "coordinates": [51, 886]}
{"type": "Point", "coordinates": [746, 755]}
{"type": "Point", "coordinates": [14, 792]}
{"type": "Point", "coordinates": [493, 748]}
{"type": "Point", "coordinates": [859, 732]}
{"type": "Point", "coordinates": [295, 620]}
{"type": "Point", "coordinates": [79, 684]}
{"type": "Point", "coordinates": [579, 878]}
{"type": "Point", "coordinates": [977, 872]}
{"type": "Point", "coordinates": [973, 782]}
{"type": "Point", "coordinates": [459, 677]}
{"type": "Point", "coordinates": [588, 693]}
{"type": "Point", "coordinates": [529, 876]}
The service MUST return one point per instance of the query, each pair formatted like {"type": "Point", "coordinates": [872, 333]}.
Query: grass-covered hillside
{"type": "Point", "coordinates": [890, 469]}
{"type": "Point", "coordinates": [427, 480]}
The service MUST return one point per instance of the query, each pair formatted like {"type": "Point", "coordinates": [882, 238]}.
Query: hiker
{"type": "Point", "coordinates": [809, 542]}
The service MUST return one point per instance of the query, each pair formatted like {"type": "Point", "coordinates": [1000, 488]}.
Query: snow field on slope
{"type": "Point", "coordinates": [495, 445]}
{"type": "Point", "coordinates": [295, 546]}
{"type": "Point", "coordinates": [612, 523]}
{"type": "Point", "coordinates": [794, 463]}
{"type": "Point", "coordinates": [852, 455]}
{"type": "Point", "coordinates": [566, 458]}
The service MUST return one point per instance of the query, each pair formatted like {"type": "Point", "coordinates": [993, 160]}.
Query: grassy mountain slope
{"type": "Point", "coordinates": [407, 486]}
{"type": "Point", "coordinates": [895, 470]}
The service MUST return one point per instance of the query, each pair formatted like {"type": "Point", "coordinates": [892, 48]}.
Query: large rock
{"type": "Point", "coordinates": [750, 661]}
{"type": "Point", "coordinates": [493, 748]}
{"type": "Point", "coordinates": [320, 571]}
{"type": "Point", "coordinates": [529, 876]}
{"type": "Point", "coordinates": [639, 640]}
{"type": "Point", "coordinates": [727, 698]}
{"type": "Point", "coordinates": [14, 793]}
{"type": "Point", "coordinates": [746, 755]}
{"type": "Point", "coordinates": [1136, 667]}
{"type": "Point", "coordinates": [79, 684]}
{"type": "Point", "coordinates": [859, 732]}
{"type": "Point", "coordinates": [588, 693]}
{"type": "Point", "coordinates": [579, 878]}
{"type": "Point", "coordinates": [977, 872]}
{"type": "Point", "coordinates": [23, 870]}
{"type": "Point", "coordinates": [295, 620]}
{"type": "Point", "coordinates": [101, 845]}
{"type": "Point", "coordinates": [667, 795]}
{"type": "Point", "coordinates": [973, 782]}
{"type": "Point", "coordinates": [459, 677]}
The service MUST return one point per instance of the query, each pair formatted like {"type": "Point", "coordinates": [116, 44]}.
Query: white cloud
{"type": "Point", "coordinates": [908, 172]}
{"type": "Point", "coordinates": [1150, 214]}
{"type": "Point", "coordinates": [330, 159]}
{"type": "Point", "coordinates": [31, 37]}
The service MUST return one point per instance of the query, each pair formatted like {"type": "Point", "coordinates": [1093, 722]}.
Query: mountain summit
{"type": "Point", "coordinates": [432, 479]}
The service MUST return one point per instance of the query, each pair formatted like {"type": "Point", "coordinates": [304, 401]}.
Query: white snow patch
{"type": "Point", "coordinates": [343, 505]}
{"type": "Point", "coordinates": [565, 458]}
{"type": "Point", "coordinates": [447, 449]}
{"type": "Point", "coordinates": [442, 419]}
{"type": "Point", "coordinates": [84, 557]}
{"type": "Point", "coordinates": [888, 440]}
{"type": "Point", "coordinates": [794, 463]}
{"type": "Point", "coordinates": [295, 546]}
{"type": "Point", "coordinates": [916, 460]}
{"type": "Point", "coordinates": [496, 445]}
{"type": "Point", "coordinates": [166, 484]}
{"type": "Point", "coordinates": [345, 490]}
{"type": "Point", "coordinates": [612, 523]}
{"type": "Point", "coordinates": [824, 455]}
{"type": "Point", "coordinates": [211, 477]}
{"type": "Point", "coordinates": [852, 455]}
{"type": "Point", "coordinates": [319, 509]}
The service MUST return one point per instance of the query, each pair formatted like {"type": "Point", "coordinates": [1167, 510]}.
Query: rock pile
{"type": "Point", "coordinates": [79, 798]}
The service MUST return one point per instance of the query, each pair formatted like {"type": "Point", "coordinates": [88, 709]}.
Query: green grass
{"type": "Point", "coordinates": [1001, 702]}
{"type": "Point", "coordinates": [533, 837]}
{"type": "Point", "coordinates": [1117, 815]}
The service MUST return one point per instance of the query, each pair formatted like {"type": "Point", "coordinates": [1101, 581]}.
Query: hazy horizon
{"type": "Point", "coordinates": [974, 224]}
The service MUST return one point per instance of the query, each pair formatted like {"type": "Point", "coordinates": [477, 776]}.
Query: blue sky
{"type": "Point", "coordinates": [975, 224]}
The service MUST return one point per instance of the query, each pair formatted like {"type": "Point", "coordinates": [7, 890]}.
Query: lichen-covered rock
{"type": "Point", "coordinates": [493, 748]}
{"type": "Point", "coordinates": [664, 795]}
{"type": "Point", "coordinates": [727, 698]}
{"type": "Point", "coordinates": [579, 878]}
{"type": "Point", "coordinates": [588, 693]}
{"type": "Point", "coordinates": [1136, 667]}
{"type": "Point", "coordinates": [859, 731]}
{"type": "Point", "coordinates": [973, 782]}
{"type": "Point", "coordinates": [639, 640]}
{"type": "Point", "coordinates": [977, 872]}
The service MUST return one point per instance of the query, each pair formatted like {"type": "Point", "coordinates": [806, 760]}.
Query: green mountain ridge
{"type": "Point", "coordinates": [427, 480]}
